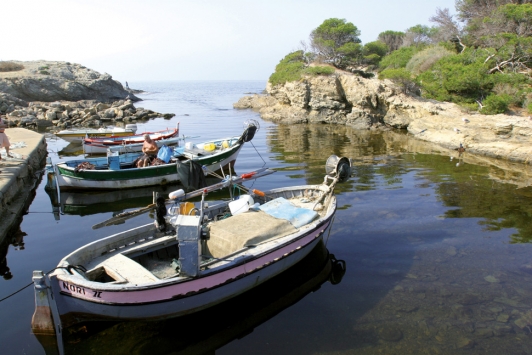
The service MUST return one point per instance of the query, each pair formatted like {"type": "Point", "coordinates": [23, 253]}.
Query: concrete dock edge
{"type": "Point", "coordinates": [19, 177]}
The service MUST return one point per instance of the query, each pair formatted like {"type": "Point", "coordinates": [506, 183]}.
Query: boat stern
{"type": "Point", "coordinates": [42, 322]}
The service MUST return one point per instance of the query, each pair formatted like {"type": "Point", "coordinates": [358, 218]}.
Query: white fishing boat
{"type": "Point", "coordinates": [77, 135]}
{"type": "Point", "coordinates": [102, 148]}
{"type": "Point", "coordinates": [131, 143]}
{"type": "Point", "coordinates": [228, 321]}
{"type": "Point", "coordinates": [189, 259]}
{"type": "Point", "coordinates": [120, 171]}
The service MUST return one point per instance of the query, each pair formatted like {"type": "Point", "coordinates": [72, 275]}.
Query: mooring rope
{"type": "Point", "coordinates": [69, 268]}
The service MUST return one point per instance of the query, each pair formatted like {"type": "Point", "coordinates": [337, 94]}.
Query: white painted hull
{"type": "Point", "coordinates": [102, 149]}
{"type": "Point", "coordinates": [74, 183]}
{"type": "Point", "coordinates": [77, 136]}
{"type": "Point", "coordinates": [158, 303]}
{"type": "Point", "coordinates": [77, 298]}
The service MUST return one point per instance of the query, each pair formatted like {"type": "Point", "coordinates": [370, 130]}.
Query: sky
{"type": "Point", "coordinates": [159, 40]}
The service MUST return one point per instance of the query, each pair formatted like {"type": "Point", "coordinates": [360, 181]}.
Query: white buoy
{"type": "Point", "coordinates": [176, 194]}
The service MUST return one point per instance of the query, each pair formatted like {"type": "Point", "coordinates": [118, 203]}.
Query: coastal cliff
{"type": "Point", "coordinates": [348, 99]}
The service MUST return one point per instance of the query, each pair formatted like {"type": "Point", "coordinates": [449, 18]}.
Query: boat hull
{"type": "Point", "coordinates": [69, 178]}
{"type": "Point", "coordinates": [101, 148]}
{"type": "Point", "coordinates": [132, 143]}
{"type": "Point", "coordinates": [78, 303]}
{"type": "Point", "coordinates": [78, 136]}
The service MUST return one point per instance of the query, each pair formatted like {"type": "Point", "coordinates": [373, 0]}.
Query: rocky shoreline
{"type": "Point", "coordinates": [373, 104]}
{"type": "Point", "coordinates": [84, 113]}
{"type": "Point", "coordinates": [64, 95]}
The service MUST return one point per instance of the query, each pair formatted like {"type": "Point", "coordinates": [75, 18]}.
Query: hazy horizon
{"type": "Point", "coordinates": [167, 40]}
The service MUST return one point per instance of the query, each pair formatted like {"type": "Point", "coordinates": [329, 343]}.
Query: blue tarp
{"type": "Point", "coordinates": [165, 153]}
{"type": "Point", "coordinates": [282, 208]}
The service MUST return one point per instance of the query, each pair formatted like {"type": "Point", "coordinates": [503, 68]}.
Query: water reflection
{"type": "Point", "coordinates": [501, 201]}
{"type": "Point", "coordinates": [206, 331]}
{"type": "Point", "coordinates": [83, 203]}
{"type": "Point", "coordinates": [439, 256]}
{"type": "Point", "coordinates": [5, 272]}
{"type": "Point", "coordinates": [17, 240]}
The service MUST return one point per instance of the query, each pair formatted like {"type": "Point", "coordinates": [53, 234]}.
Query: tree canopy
{"type": "Point", "coordinates": [336, 41]}
{"type": "Point", "coordinates": [392, 39]}
{"type": "Point", "coordinates": [479, 57]}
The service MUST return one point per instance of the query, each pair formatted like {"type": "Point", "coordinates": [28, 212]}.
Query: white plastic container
{"type": "Point", "coordinates": [132, 127]}
{"type": "Point", "coordinates": [175, 194]}
{"type": "Point", "coordinates": [241, 205]}
{"type": "Point", "coordinates": [189, 145]}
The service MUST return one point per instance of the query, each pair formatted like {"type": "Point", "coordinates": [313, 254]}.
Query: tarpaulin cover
{"type": "Point", "coordinates": [282, 208]}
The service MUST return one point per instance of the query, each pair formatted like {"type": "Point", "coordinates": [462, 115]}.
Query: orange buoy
{"type": "Point", "coordinates": [247, 176]}
{"type": "Point", "coordinates": [258, 192]}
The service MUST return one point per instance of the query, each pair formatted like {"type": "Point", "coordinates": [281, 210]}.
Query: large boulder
{"type": "Point", "coordinates": [61, 81]}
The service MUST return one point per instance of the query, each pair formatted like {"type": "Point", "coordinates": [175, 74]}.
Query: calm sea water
{"type": "Point", "coordinates": [437, 246]}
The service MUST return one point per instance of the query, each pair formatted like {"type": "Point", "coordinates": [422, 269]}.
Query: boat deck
{"type": "Point", "coordinates": [249, 232]}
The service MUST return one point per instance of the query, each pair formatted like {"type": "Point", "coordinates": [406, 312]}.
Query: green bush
{"type": "Point", "coordinates": [529, 107]}
{"type": "Point", "coordinates": [517, 93]}
{"type": "Point", "coordinates": [319, 70]}
{"type": "Point", "coordinates": [401, 77]}
{"type": "Point", "coordinates": [373, 52]}
{"type": "Point", "coordinates": [44, 67]}
{"type": "Point", "coordinates": [6, 66]}
{"type": "Point", "coordinates": [460, 78]}
{"type": "Point", "coordinates": [425, 59]}
{"type": "Point", "coordinates": [290, 68]}
{"type": "Point", "coordinates": [44, 72]}
{"type": "Point", "coordinates": [398, 58]}
{"type": "Point", "coordinates": [495, 104]}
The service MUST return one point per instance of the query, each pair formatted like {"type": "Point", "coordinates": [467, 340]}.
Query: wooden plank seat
{"type": "Point", "coordinates": [129, 269]}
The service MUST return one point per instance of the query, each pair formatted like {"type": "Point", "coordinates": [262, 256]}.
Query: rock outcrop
{"type": "Point", "coordinates": [50, 81]}
{"type": "Point", "coordinates": [85, 113]}
{"type": "Point", "coordinates": [61, 94]}
{"type": "Point", "coordinates": [361, 103]}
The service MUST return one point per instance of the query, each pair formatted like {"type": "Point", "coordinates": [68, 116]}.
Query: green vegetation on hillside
{"type": "Point", "coordinates": [480, 58]}
{"type": "Point", "coordinates": [293, 67]}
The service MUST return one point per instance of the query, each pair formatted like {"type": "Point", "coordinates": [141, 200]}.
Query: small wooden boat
{"type": "Point", "coordinates": [119, 171]}
{"type": "Point", "coordinates": [77, 135]}
{"type": "Point", "coordinates": [228, 321]}
{"type": "Point", "coordinates": [189, 260]}
{"type": "Point", "coordinates": [99, 145]}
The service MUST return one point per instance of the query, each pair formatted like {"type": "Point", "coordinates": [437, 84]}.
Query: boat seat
{"type": "Point", "coordinates": [129, 269]}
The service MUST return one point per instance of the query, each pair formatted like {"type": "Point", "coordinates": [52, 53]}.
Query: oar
{"type": "Point", "coordinates": [235, 180]}
{"type": "Point", "coordinates": [122, 217]}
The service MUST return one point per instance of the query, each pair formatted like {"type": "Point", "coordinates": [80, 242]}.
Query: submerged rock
{"type": "Point", "coordinates": [390, 334]}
